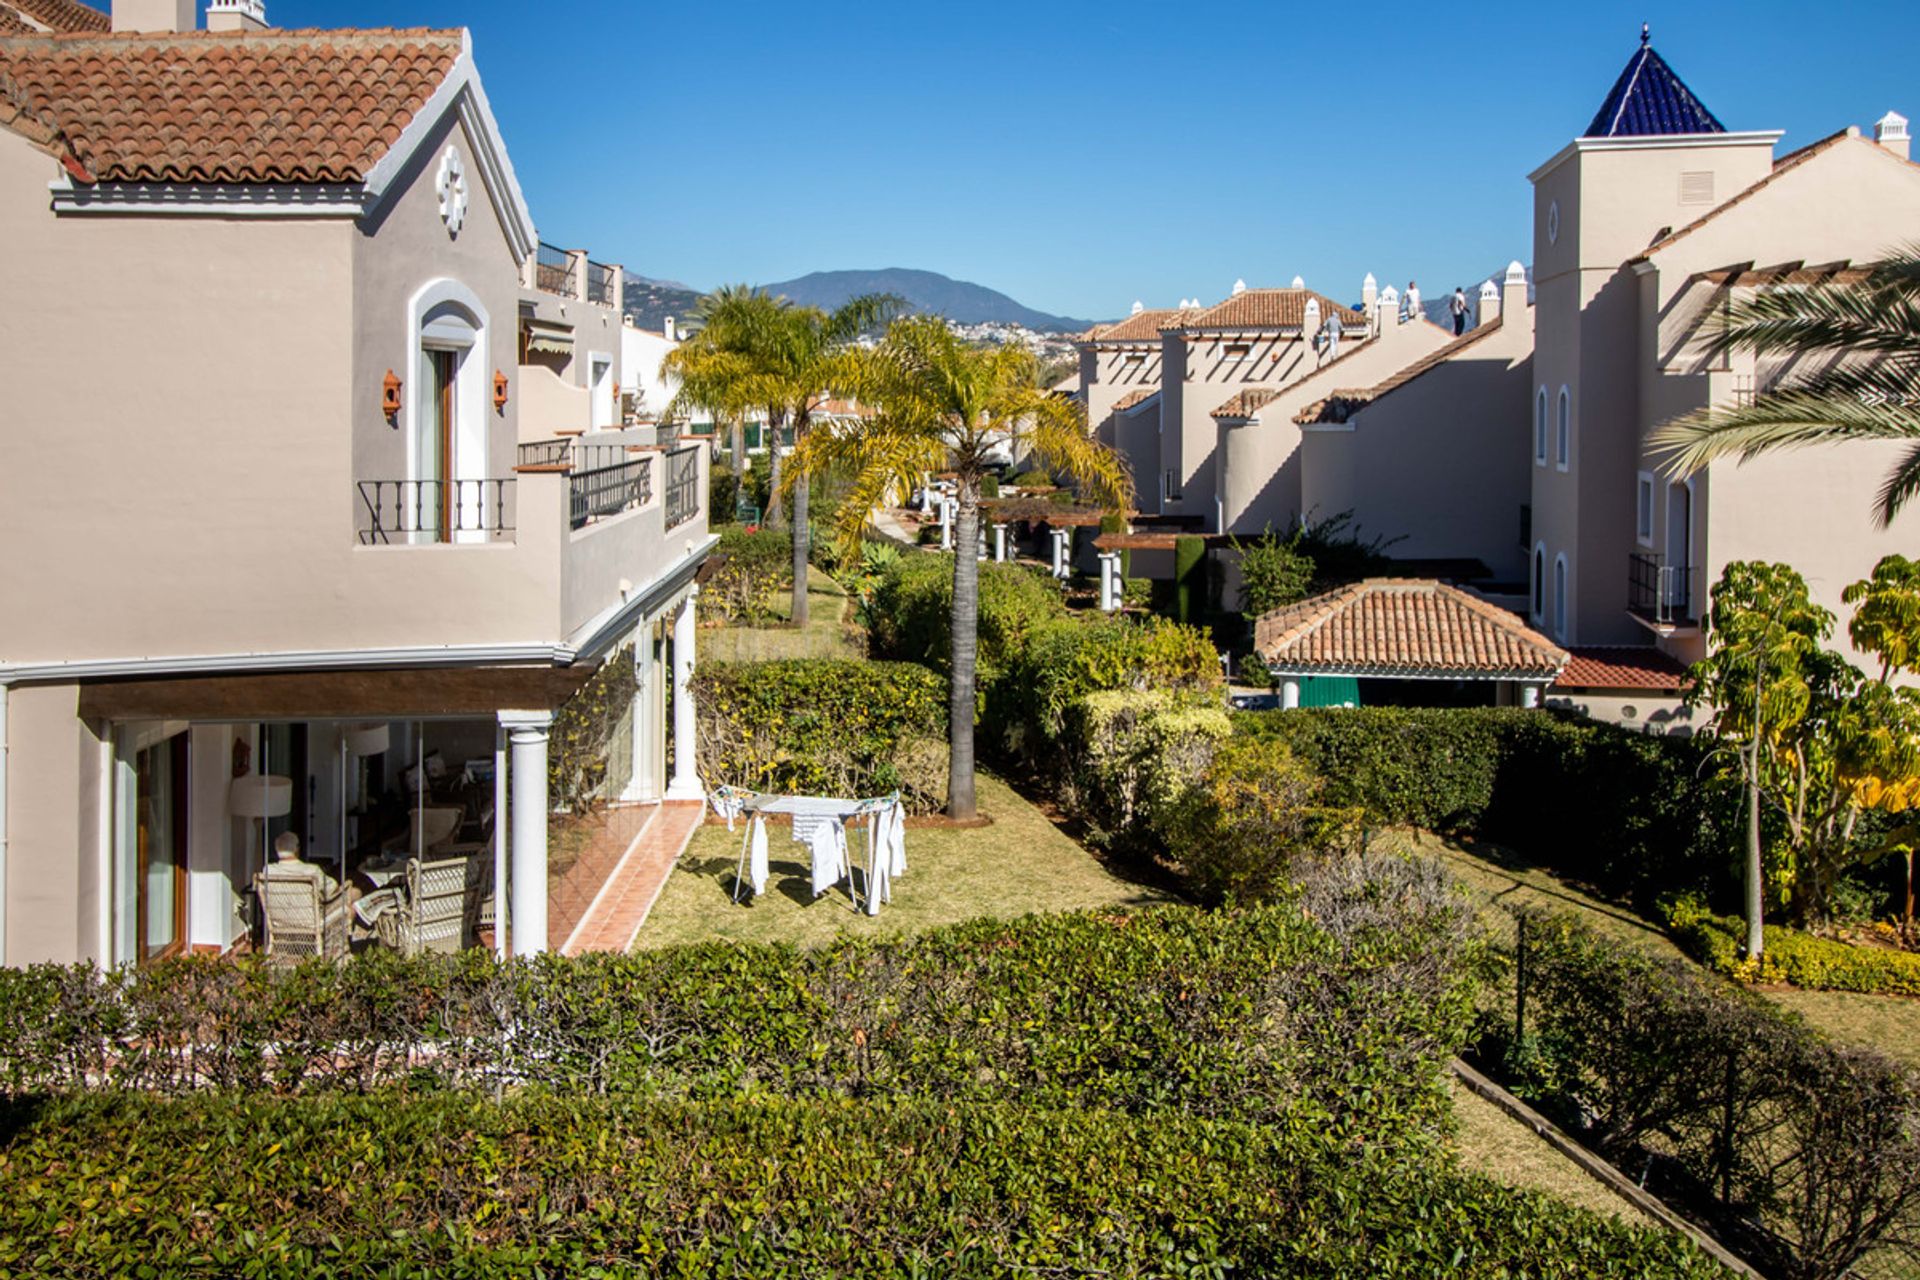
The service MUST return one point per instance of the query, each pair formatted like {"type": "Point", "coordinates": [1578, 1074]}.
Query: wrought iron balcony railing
{"type": "Point", "coordinates": [433, 510]}
{"type": "Point", "coordinates": [1661, 593]}
{"type": "Point", "coordinates": [600, 492]}
{"type": "Point", "coordinates": [683, 485]}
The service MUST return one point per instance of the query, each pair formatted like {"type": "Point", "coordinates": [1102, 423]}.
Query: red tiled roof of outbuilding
{"type": "Point", "coordinates": [1402, 626]}
{"type": "Point", "coordinates": [1622, 667]}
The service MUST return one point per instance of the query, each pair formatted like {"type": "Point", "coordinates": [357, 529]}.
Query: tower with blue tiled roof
{"type": "Point", "coordinates": [1653, 159]}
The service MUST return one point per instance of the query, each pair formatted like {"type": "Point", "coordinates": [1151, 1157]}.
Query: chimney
{"type": "Point", "coordinates": [1388, 310]}
{"type": "Point", "coordinates": [1369, 291]}
{"type": "Point", "coordinates": [153, 15]}
{"type": "Point", "coordinates": [1239, 287]}
{"type": "Point", "coordinates": [236, 15]}
{"type": "Point", "coordinates": [1489, 308]}
{"type": "Point", "coordinates": [1298, 283]}
{"type": "Point", "coordinates": [1310, 320]}
{"type": "Point", "coordinates": [1890, 131]}
{"type": "Point", "coordinates": [1513, 291]}
{"type": "Point", "coordinates": [1138, 307]}
{"type": "Point", "coordinates": [666, 327]}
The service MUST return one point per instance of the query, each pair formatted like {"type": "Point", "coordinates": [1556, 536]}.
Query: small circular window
{"type": "Point", "coordinates": [1628, 712]}
{"type": "Point", "coordinates": [1553, 222]}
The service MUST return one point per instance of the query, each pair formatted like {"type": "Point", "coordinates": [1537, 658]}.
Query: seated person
{"type": "Point", "coordinates": [287, 861]}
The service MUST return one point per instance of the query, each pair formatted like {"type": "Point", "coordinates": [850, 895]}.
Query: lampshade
{"type": "Point", "coordinates": [366, 739]}
{"type": "Point", "coordinates": [260, 796]}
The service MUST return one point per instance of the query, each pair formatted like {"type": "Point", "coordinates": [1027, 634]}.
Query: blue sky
{"type": "Point", "coordinates": [1079, 155]}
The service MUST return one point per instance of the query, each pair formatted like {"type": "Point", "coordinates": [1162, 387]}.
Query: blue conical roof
{"type": "Point", "coordinates": [1649, 100]}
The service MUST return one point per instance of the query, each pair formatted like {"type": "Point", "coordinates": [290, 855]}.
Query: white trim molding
{"type": "Point", "coordinates": [1657, 142]}
{"type": "Point", "coordinates": [224, 199]}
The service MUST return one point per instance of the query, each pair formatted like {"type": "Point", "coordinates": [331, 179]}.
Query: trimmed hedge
{"type": "Point", "coordinates": [1790, 956]}
{"type": "Point", "coordinates": [912, 605]}
{"type": "Point", "coordinates": [824, 726]}
{"type": "Point", "coordinates": [1801, 1153]}
{"type": "Point", "coordinates": [751, 568]}
{"type": "Point", "coordinates": [1259, 1016]}
{"type": "Point", "coordinates": [1069, 659]}
{"type": "Point", "coordinates": [1634, 814]}
{"type": "Point", "coordinates": [1131, 755]}
{"type": "Point", "coordinates": [416, 1187]}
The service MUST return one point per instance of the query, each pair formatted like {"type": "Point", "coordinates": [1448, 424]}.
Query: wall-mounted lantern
{"type": "Point", "coordinates": [499, 391]}
{"type": "Point", "coordinates": [390, 396]}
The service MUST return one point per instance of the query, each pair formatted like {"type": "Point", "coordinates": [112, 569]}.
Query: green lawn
{"type": "Point", "coordinates": [1493, 1143]}
{"type": "Point", "coordinates": [827, 633]}
{"type": "Point", "coordinates": [1017, 864]}
{"type": "Point", "coordinates": [1888, 1023]}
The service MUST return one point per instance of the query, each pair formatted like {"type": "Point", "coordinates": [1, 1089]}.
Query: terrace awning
{"type": "Point", "coordinates": [547, 338]}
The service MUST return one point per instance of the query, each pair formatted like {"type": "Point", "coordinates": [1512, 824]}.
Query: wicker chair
{"type": "Point", "coordinates": [302, 917]}
{"type": "Point", "coordinates": [441, 910]}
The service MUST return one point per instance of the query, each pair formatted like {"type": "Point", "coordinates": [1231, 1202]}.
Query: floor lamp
{"type": "Point", "coordinates": [357, 742]}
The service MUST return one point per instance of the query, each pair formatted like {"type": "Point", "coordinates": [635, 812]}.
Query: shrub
{"type": "Point", "coordinates": [583, 732]}
{"type": "Point", "coordinates": [1189, 578]}
{"type": "Point", "coordinates": [1251, 1015]}
{"type": "Point", "coordinates": [1803, 1154]}
{"type": "Point", "coordinates": [723, 495]}
{"type": "Point", "coordinates": [1132, 755]}
{"type": "Point", "coordinates": [751, 568]}
{"type": "Point", "coordinates": [912, 608]}
{"type": "Point", "coordinates": [1254, 815]}
{"type": "Point", "coordinates": [1065, 660]}
{"type": "Point", "coordinates": [418, 1187]}
{"type": "Point", "coordinates": [824, 726]}
{"type": "Point", "coordinates": [1273, 573]}
{"type": "Point", "coordinates": [1790, 956]}
{"type": "Point", "coordinates": [1627, 812]}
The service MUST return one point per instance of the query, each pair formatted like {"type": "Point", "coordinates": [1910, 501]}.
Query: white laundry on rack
{"type": "Point", "coordinates": [826, 838]}
{"type": "Point", "coordinates": [757, 857]}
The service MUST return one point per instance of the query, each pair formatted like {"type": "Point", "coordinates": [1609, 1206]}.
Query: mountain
{"type": "Point", "coordinates": [651, 301]}
{"type": "Point", "coordinates": [925, 291]}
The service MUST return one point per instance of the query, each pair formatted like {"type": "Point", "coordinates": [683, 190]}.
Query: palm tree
{"type": "Point", "coordinates": [942, 404]}
{"type": "Point", "coordinates": [760, 351]}
{"type": "Point", "coordinates": [715, 365]}
{"type": "Point", "coordinates": [1853, 342]}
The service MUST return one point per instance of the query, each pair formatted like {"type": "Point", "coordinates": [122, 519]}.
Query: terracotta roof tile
{"type": "Point", "coordinates": [1398, 626]}
{"type": "Point", "coordinates": [1268, 309]}
{"type": "Point", "coordinates": [12, 24]}
{"type": "Point", "coordinates": [1244, 404]}
{"type": "Point", "coordinates": [1622, 667]}
{"type": "Point", "coordinates": [1142, 326]}
{"type": "Point", "coordinates": [1133, 398]}
{"type": "Point", "coordinates": [55, 15]}
{"type": "Point", "coordinates": [254, 107]}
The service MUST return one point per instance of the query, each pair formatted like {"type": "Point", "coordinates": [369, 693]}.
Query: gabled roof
{"type": "Point", "coordinates": [51, 15]}
{"type": "Point", "coordinates": [1341, 405]}
{"type": "Point", "coordinates": [1142, 326]}
{"type": "Point", "coordinates": [1649, 100]}
{"type": "Point", "coordinates": [1404, 626]}
{"type": "Point", "coordinates": [1622, 667]}
{"type": "Point", "coordinates": [1136, 397]}
{"type": "Point", "coordinates": [229, 107]}
{"type": "Point", "coordinates": [1781, 167]}
{"type": "Point", "coordinates": [1265, 309]}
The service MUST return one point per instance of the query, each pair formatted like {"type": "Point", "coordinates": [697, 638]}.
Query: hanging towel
{"type": "Point", "coordinates": [757, 859]}
{"type": "Point", "coordinates": [896, 840]}
{"type": "Point", "coordinates": [827, 838]}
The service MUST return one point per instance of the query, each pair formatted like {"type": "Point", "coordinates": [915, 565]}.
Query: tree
{"type": "Point", "coordinates": [1759, 677]}
{"type": "Point", "coordinates": [1884, 758]}
{"type": "Point", "coordinates": [1853, 345]}
{"type": "Point", "coordinates": [715, 365]}
{"type": "Point", "coordinates": [942, 405]}
{"type": "Point", "coordinates": [763, 351]}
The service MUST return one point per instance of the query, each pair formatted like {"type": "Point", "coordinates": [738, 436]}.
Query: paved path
{"type": "Point", "coordinates": [636, 871]}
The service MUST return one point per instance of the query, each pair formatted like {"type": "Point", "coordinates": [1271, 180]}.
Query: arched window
{"type": "Point", "coordinates": [1564, 448]}
{"type": "Point", "coordinates": [1560, 597]}
{"type": "Point", "coordinates": [1540, 428]}
{"type": "Point", "coordinates": [448, 437]}
{"type": "Point", "coordinates": [1540, 579]}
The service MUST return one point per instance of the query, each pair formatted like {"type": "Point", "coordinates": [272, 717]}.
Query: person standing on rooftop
{"type": "Point", "coordinates": [1459, 308]}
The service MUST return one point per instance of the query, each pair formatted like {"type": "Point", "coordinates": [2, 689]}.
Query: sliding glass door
{"type": "Point", "coordinates": [160, 833]}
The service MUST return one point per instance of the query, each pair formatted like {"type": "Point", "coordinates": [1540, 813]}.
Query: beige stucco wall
{"type": "Point", "coordinates": [1645, 711]}
{"type": "Point", "coordinates": [550, 405]}
{"type": "Point", "coordinates": [53, 824]}
{"type": "Point", "coordinates": [1440, 462]}
{"type": "Point", "coordinates": [1188, 433]}
{"type": "Point", "coordinates": [1108, 373]}
{"type": "Point", "coordinates": [1258, 463]}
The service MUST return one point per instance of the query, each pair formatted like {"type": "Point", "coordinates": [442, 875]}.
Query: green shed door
{"type": "Point", "coordinates": [1329, 691]}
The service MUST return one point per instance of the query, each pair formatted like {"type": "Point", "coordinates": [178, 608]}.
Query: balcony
{"type": "Point", "coordinates": [683, 485]}
{"type": "Point", "coordinates": [554, 271]}
{"type": "Point", "coordinates": [414, 511]}
{"type": "Point", "coordinates": [1660, 593]}
{"type": "Point", "coordinates": [600, 283]}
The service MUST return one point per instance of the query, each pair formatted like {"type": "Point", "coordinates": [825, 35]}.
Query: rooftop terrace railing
{"type": "Point", "coordinates": [546, 453]}
{"type": "Point", "coordinates": [600, 492]}
{"type": "Point", "coordinates": [433, 510]}
{"type": "Point", "coordinates": [600, 283]}
{"type": "Point", "coordinates": [553, 271]}
{"type": "Point", "coordinates": [683, 485]}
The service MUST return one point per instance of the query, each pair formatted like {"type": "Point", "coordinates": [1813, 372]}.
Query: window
{"type": "Point", "coordinates": [1170, 486]}
{"type": "Point", "coordinates": [1643, 508]}
{"type": "Point", "coordinates": [1540, 429]}
{"type": "Point", "coordinates": [1563, 432]}
{"type": "Point", "coordinates": [1238, 350]}
{"type": "Point", "coordinates": [1539, 582]}
{"type": "Point", "coordinates": [1134, 359]}
{"type": "Point", "coordinates": [1560, 597]}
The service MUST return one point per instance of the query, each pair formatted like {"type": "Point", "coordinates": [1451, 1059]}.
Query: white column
{"type": "Point", "coordinates": [639, 786]}
{"type": "Point", "coordinates": [1060, 537]}
{"type": "Point", "coordinates": [1290, 692]}
{"type": "Point", "coordinates": [1000, 542]}
{"type": "Point", "coordinates": [946, 524]}
{"type": "Point", "coordinates": [527, 779]}
{"type": "Point", "coordinates": [686, 780]}
{"type": "Point", "coordinates": [1529, 695]}
{"type": "Point", "coordinates": [1109, 567]}
{"type": "Point", "coordinates": [926, 494]}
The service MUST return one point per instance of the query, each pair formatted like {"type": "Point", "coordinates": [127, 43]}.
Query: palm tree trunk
{"type": "Point", "coordinates": [738, 441]}
{"type": "Point", "coordinates": [1756, 901]}
{"type": "Point", "coordinates": [775, 515]}
{"type": "Point", "coordinates": [965, 637]}
{"type": "Point", "coordinates": [802, 536]}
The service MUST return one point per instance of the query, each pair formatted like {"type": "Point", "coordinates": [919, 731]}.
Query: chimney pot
{"type": "Point", "coordinates": [1138, 307]}
{"type": "Point", "coordinates": [1299, 283]}
{"type": "Point", "coordinates": [1890, 131]}
{"type": "Point", "coordinates": [1239, 287]}
{"type": "Point", "coordinates": [236, 15]}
